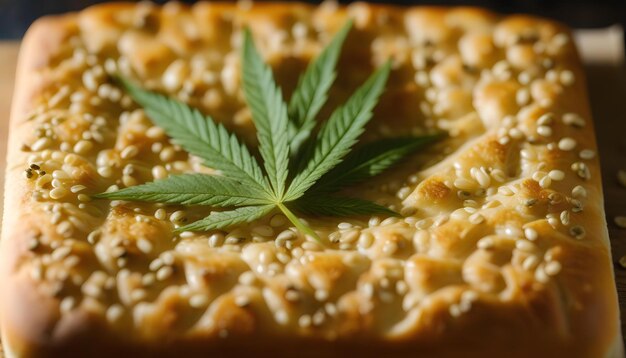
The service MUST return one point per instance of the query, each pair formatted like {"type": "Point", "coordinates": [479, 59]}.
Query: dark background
{"type": "Point", "coordinates": [16, 15]}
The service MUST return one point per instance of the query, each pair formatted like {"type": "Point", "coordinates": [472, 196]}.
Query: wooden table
{"type": "Point", "coordinates": [607, 83]}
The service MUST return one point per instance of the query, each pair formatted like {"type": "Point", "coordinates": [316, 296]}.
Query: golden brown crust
{"type": "Point", "coordinates": [488, 265]}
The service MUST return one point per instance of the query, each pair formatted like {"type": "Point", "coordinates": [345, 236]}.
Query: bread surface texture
{"type": "Point", "coordinates": [501, 249]}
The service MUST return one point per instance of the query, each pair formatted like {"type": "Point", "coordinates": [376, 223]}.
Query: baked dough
{"type": "Point", "coordinates": [502, 250]}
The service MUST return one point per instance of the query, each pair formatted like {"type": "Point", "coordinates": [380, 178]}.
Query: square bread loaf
{"type": "Point", "coordinates": [501, 249]}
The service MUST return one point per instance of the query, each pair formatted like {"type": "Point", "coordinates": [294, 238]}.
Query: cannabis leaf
{"type": "Point", "coordinates": [320, 164]}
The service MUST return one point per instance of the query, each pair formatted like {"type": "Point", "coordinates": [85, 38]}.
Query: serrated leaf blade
{"type": "Point", "coordinates": [340, 206]}
{"type": "Point", "coordinates": [312, 91]}
{"type": "Point", "coordinates": [224, 219]}
{"type": "Point", "coordinates": [370, 160]}
{"type": "Point", "coordinates": [269, 113]}
{"type": "Point", "coordinates": [192, 189]}
{"type": "Point", "coordinates": [200, 136]}
{"type": "Point", "coordinates": [339, 133]}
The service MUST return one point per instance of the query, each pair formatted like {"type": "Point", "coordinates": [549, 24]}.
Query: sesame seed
{"type": "Point", "coordinates": [476, 218]}
{"type": "Point", "coordinates": [164, 273]}
{"type": "Point", "coordinates": [83, 147]}
{"type": "Point", "coordinates": [524, 78]}
{"type": "Point", "coordinates": [574, 120]}
{"type": "Point", "coordinates": [159, 172]}
{"type": "Point", "coordinates": [577, 205]}
{"type": "Point", "coordinates": [498, 175]}
{"type": "Point", "coordinates": [538, 175]}
{"type": "Point", "coordinates": [553, 221]}
{"type": "Point", "coordinates": [525, 245]}
{"type": "Point", "coordinates": [58, 193]}
{"type": "Point", "coordinates": [91, 289]}
{"type": "Point", "coordinates": [311, 246]}
{"type": "Point", "coordinates": [556, 175]}
{"type": "Point", "coordinates": [620, 221]}
{"type": "Point", "coordinates": [304, 321]}
{"type": "Point", "coordinates": [541, 276]}
{"type": "Point", "coordinates": [579, 192]}
{"type": "Point", "coordinates": [168, 258]}
{"type": "Point", "coordinates": [454, 310]}
{"type": "Point", "coordinates": [530, 202]}
{"type": "Point", "coordinates": [160, 214]}
{"type": "Point", "coordinates": [33, 244]}
{"type": "Point", "coordinates": [77, 188]}
{"type": "Point", "coordinates": [67, 304]}
{"type": "Point", "coordinates": [531, 234]}
{"type": "Point", "coordinates": [278, 220]}
{"type": "Point", "coordinates": [129, 152]}
{"type": "Point", "coordinates": [216, 240]}
{"type": "Point", "coordinates": [481, 176]}
{"type": "Point", "coordinates": [366, 239]}
{"type": "Point", "coordinates": [84, 198]}
{"type": "Point", "coordinates": [105, 171]}
{"type": "Point", "coordinates": [565, 217]}
{"type": "Point", "coordinates": [114, 313]}
{"type": "Point", "coordinates": [545, 182]}
{"type": "Point", "coordinates": [178, 216]}
{"type": "Point", "coordinates": [582, 170]}
{"type": "Point", "coordinates": [56, 183]}
{"type": "Point", "coordinates": [577, 231]}
{"type": "Point", "coordinates": [485, 243]}
{"type": "Point", "coordinates": [94, 236]}
{"type": "Point", "coordinates": [505, 190]}
{"type": "Point", "coordinates": [528, 154]}
{"type": "Point", "coordinates": [552, 268]}
{"type": "Point", "coordinates": [545, 119]}
{"type": "Point", "coordinates": [464, 184]}
{"type": "Point", "coordinates": [552, 75]}
{"type": "Point", "coordinates": [544, 131]}
{"type": "Point", "coordinates": [522, 96]}
{"type": "Point", "coordinates": [530, 262]}
{"type": "Point", "coordinates": [41, 144]}
{"type": "Point", "coordinates": [587, 154]}
{"type": "Point", "coordinates": [403, 193]}
{"type": "Point", "coordinates": [155, 264]}
{"type": "Point", "coordinates": [144, 245]}
{"type": "Point", "coordinates": [567, 144]}
{"type": "Point", "coordinates": [344, 226]}
{"type": "Point", "coordinates": [622, 261]}
{"type": "Point", "coordinates": [199, 300]}
{"type": "Point", "coordinates": [567, 77]}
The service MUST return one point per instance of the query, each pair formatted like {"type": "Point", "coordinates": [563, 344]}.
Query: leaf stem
{"type": "Point", "coordinates": [305, 229]}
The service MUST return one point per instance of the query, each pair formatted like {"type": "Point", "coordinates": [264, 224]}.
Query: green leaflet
{"type": "Point", "coordinates": [339, 134]}
{"type": "Point", "coordinates": [226, 219]}
{"type": "Point", "coordinates": [312, 91]}
{"type": "Point", "coordinates": [371, 160]}
{"type": "Point", "coordinates": [192, 189]}
{"type": "Point", "coordinates": [340, 206]}
{"type": "Point", "coordinates": [269, 113]}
